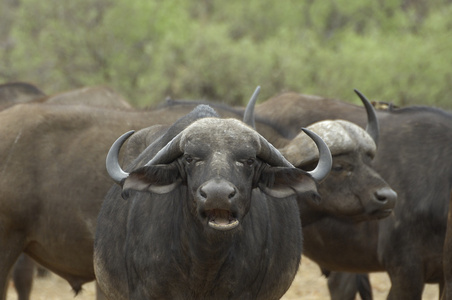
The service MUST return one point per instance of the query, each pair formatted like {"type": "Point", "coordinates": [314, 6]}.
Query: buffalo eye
{"type": "Point", "coordinates": [250, 161]}
{"type": "Point", "coordinates": [337, 168]}
{"type": "Point", "coordinates": [188, 158]}
{"type": "Point", "coordinates": [370, 155]}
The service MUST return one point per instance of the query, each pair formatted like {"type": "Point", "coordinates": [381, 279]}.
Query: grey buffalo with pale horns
{"type": "Point", "coordinates": [210, 212]}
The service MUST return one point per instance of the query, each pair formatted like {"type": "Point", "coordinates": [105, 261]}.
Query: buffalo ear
{"type": "Point", "coordinates": [158, 179]}
{"type": "Point", "coordinates": [281, 182]}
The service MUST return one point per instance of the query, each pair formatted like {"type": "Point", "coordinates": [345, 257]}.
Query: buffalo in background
{"type": "Point", "coordinates": [22, 92]}
{"type": "Point", "coordinates": [54, 155]}
{"type": "Point", "coordinates": [18, 92]}
{"type": "Point", "coordinates": [10, 94]}
{"type": "Point", "coordinates": [414, 158]}
{"type": "Point", "coordinates": [353, 179]}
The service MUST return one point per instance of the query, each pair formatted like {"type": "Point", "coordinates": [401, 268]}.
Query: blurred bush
{"type": "Point", "coordinates": [395, 50]}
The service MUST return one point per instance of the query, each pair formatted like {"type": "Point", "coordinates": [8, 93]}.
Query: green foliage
{"type": "Point", "coordinates": [221, 50]}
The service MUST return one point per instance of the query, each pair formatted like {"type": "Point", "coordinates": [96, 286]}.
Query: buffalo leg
{"type": "Point", "coordinates": [99, 294]}
{"type": "Point", "coordinates": [23, 276]}
{"type": "Point", "coordinates": [442, 291]}
{"type": "Point", "coordinates": [345, 286]}
{"type": "Point", "coordinates": [447, 257]}
{"type": "Point", "coordinates": [407, 283]}
{"type": "Point", "coordinates": [11, 247]}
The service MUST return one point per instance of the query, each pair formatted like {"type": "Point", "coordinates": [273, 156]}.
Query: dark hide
{"type": "Point", "coordinates": [55, 156]}
{"type": "Point", "coordinates": [414, 158]}
{"type": "Point", "coordinates": [10, 94]}
{"type": "Point", "coordinates": [343, 286]}
{"type": "Point", "coordinates": [18, 92]}
{"type": "Point", "coordinates": [160, 244]}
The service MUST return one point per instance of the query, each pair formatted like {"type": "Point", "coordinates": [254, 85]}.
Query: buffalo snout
{"type": "Point", "coordinates": [386, 195]}
{"type": "Point", "coordinates": [217, 193]}
{"type": "Point", "coordinates": [383, 202]}
{"type": "Point", "coordinates": [216, 204]}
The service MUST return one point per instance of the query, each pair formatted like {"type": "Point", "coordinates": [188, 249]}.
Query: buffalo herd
{"type": "Point", "coordinates": [204, 200]}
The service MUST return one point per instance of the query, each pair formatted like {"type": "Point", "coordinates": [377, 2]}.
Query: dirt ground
{"type": "Point", "coordinates": [309, 284]}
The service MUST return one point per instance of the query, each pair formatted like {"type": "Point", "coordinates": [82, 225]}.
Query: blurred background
{"type": "Point", "coordinates": [392, 50]}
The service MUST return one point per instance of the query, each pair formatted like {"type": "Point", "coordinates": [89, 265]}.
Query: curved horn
{"type": "Point", "coordinates": [112, 161]}
{"type": "Point", "coordinates": [271, 155]}
{"type": "Point", "coordinates": [164, 155]}
{"type": "Point", "coordinates": [168, 153]}
{"type": "Point", "coordinates": [325, 160]}
{"type": "Point", "coordinates": [248, 116]}
{"type": "Point", "coordinates": [372, 128]}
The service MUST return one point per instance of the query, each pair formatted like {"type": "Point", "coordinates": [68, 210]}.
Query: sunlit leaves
{"type": "Point", "coordinates": [221, 50]}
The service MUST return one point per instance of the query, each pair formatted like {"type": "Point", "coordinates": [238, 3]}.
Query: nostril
{"type": "Point", "coordinates": [380, 197]}
{"type": "Point", "coordinates": [216, 191]}
{"type": "Point", "coordinates": [385, 194]}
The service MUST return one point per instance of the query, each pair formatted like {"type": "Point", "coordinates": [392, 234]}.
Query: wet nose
{"type": "Point", "coordinates": [386, 196]}
{"type": "Point", "coordinates": [217, 194]}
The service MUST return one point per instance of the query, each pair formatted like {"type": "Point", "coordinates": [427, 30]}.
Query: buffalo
{"type": "Point", "coordinates": [54, 155]}
{"type": "Point", "coordinates": [352, 179]}
{"type": "Point", "coordinates": [212, 214]}
{"type": "Point", "coordinates": [12, 93]}
{"type": "Point", "coordinates": [413, 155]}
{"type": "Point", "coordinates": [20, 92]}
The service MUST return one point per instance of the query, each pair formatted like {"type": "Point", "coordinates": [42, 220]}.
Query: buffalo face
{"type": "Point", "coordinates": [358, 188]}
{"type": "Point", "coordinates": [220, 161]}
{"type": "Point", "coordinates": [353, 189]}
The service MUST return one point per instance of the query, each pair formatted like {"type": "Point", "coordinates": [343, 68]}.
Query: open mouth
{"type": "Point", "coordinates": [221, 219]}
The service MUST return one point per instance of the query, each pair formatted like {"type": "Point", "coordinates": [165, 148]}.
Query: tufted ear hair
{"type": "Point", "coordinates": [281, 182]}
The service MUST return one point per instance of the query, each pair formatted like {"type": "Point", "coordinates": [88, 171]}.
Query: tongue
{"type": "Point", "coordinates": [222, 220]}
{"type": "Point", "coordinates": [220, 217]}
